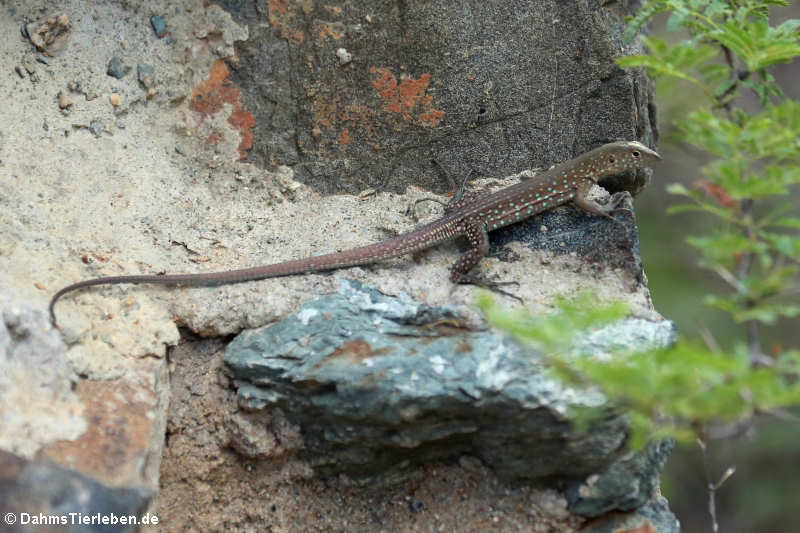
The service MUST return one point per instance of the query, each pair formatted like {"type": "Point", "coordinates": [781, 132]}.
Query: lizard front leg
{"type": "Point", "coordinates": [591, 206]}
{"type": "Point", "coordinates": [478, 238]}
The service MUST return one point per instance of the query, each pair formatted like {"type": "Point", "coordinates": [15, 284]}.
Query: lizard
{"type": "Point", "coordinates": [471, 217]}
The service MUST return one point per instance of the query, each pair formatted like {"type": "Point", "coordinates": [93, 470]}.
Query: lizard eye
{"type": "Point", "coordinates": [636, 153]}
{"type": "Point", "coordinates": [611, 159]}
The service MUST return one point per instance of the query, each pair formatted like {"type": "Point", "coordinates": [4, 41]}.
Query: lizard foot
{"type": "Point", "coordinates": [492, 285]}
{"type": "Point", "coordinates": [616, 199]}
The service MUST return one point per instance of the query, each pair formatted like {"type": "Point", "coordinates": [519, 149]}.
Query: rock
{"type": "Point", "coordinates": [377, 386]}
{"type": "Point", "coordinates": [30, 490]}
{"type": "Point", "coordinates": [159, 25]}
{"type": "Point", "coordinates": [29, 62]}
{"type": "Point", "coordinates": [50, 34]}
{"type": "Point", "coordinates": [96, 127]}
{"type": "Point", "coordinates": [534, 83]}
{"type": "Point", "coordinates": [628, 483]}
{"type": "Point", "coordinates": [653, 517]}
{"type": "Point", "coordinates": [49, 411]}
{"type": "Point", "coordinates": [144, 74]}
{"type": "Point", "coordinates": [64, 100]}
{"type": "Point", "coordinates": [116, 69]}
{"type": "Point", "coordinates": [344, 56]}
{"type": "Point", "coordinates": [39, 405]}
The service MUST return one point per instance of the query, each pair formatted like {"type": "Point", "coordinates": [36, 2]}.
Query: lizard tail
{"type": "Point", "coordinates": [406, 243]}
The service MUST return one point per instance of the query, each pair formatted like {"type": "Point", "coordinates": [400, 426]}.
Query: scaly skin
{"type": "Point", "coordinates": [472, 218]}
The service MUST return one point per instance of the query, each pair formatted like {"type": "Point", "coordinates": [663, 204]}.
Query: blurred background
{"type": "Point", "coordinates": [764, 493]}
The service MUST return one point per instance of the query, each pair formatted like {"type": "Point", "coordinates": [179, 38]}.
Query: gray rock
{"type": "Point", "coordinates": [116, 68]}
{"type": "Point", "coordinates": [490, 88]}
{"type": "Point", "coordinates": [653, 517]}
{"type": "Point", "coordinates": [159, 25]}
{"type": "Point", "coordinates": [571, 230]}
{"type": "Point", "coordinates": [379, 383]}
{"type": "Point", "coordinates": [37, 402]}
{"type": "Point", "coordinates": [30, 490]}
{"type": "Point", "coordinates": [96, 127]}
{"type": "Point", "coordinates": [144, 74]}
{"type": "Point", "coordinates": [628, 483]}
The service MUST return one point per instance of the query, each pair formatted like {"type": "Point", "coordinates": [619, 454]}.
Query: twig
{"type": "Point", "coordinates": [713, 487]}
{"type": "Point", "coordinates": [709, 340]}
{"type": "Point", "coordinates": [784, 415]}
{"type": "Point", "coordinates": [737, 76]}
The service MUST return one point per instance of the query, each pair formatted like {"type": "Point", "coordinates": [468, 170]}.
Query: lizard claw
{"type": "Point", "coordinates": [491, 285]}
{"type": "Point", "coordinates": [612, 206]}
{"type": "Point", "coordinates": [616, 199]}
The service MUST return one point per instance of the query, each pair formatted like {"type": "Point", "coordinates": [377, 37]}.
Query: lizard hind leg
{"type": "Point", "coordinates": [459, 199]}
{"type": "Point", "coordinates": [478, 238]}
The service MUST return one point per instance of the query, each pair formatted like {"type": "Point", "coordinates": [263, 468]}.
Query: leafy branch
{"type": "Point", "coordinates": [754, 158]}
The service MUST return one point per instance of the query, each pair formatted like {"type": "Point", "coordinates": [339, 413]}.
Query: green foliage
{"type": "Point", "coordinates": [554, 332]}
{"type": "Point", "coordinates": [679, 61]}
{"type": "Point", "coordinates": [669, 391]}
{"type": "Point", "coordinates": [738, 28]}
{"type": "Point", "coordinates": [755, 157]}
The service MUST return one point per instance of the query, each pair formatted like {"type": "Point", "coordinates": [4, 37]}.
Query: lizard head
{"type": "Point", "coordinates": [617, 157]}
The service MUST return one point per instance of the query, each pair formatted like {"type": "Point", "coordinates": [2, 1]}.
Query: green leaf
{"type": "Point", "coordinates": [786, 222]}
{"type": "Point", "coordinates": [786, 245]}
{"type": "Point", "coordinates": [722, 249]}
{"type": "Point", "coordinates": [701, 204]}
{"type": "Point", "coordinates": [668, 391]}
{"type": "Point", "coordinates": [757, 43]}
{"type": "Point", "coordinates": [775, 217]}
{"type": "Point", "coordinates": [676, 61]}
{"type": "Point", "coordinates": [732, 175]}
{"type": "Point", "coordinates": [555, 331]}
{"type": "Point", "coordinates": [717, 135]}
{"type": "Point", "coordinates": [678, 19]}
{"type": "Point", "coordinates": [646, 12]}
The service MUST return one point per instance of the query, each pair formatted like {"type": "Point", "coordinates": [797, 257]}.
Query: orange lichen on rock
{"type": "Point", "coordinates": [281, 16]}
{"type": "Point", "coordinates": [407, 97]}
{"type": "Point", "coordinates": [209, 98]}
{"type": "Point", "coordinates": [331, 30]}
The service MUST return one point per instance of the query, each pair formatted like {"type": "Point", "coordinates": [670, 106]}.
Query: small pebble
{"type": "Point", "coordinates": [145, 75]}
{"type": "Point", "coordinates": [96, 127]}
{"type": "Point", "coordinates": [115, 99]}
{"type": "Point", "coordinates": [116, 68]}
{"type": "Point", "coordinates": [29, 62]}
{"type": "Point", "coordinates": [159, 25]}
{"type": "Point", "coordinates": [344, 56]}
{"type": "Point", "coordinates": [50, 34]}
{"type": "Point", "coordinates": [64, 100]}
{"type": "Point", "coordinates": [416, 506]}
